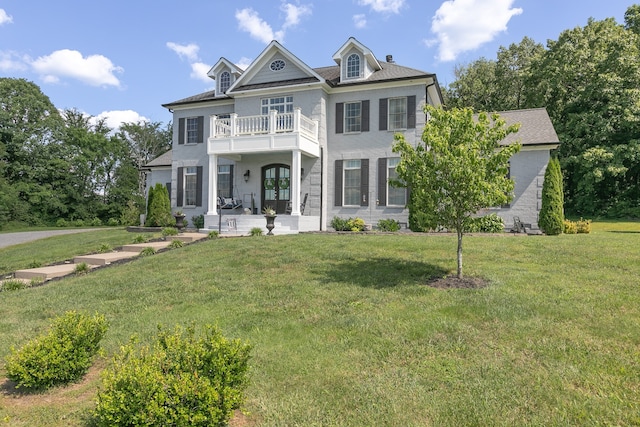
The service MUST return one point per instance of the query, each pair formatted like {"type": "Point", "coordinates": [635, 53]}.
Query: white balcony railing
{"type": "Point", "coordinates": [272, 123]}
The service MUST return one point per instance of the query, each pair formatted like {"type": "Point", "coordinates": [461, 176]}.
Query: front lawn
{"type": "Point", "coordinates": [346, 330]}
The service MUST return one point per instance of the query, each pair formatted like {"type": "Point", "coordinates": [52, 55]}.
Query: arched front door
{"type": "Point", "coordinates": [276, 187]}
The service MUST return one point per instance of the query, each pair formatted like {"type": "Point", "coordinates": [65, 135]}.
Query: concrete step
{"type": "Point", "coordinates": [46, 273]}
{"type": "Point", "coordinates": [139, 247]}
{"type": "Point", "coordinates": [104, 259]}
{"type": "Point", "coordinates": [188, 237]}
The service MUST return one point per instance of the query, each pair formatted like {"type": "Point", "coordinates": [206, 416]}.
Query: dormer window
{"type": "Point", "coordinates": [353, 66]}
{"type": "Point", "coordinates": [225, 81]}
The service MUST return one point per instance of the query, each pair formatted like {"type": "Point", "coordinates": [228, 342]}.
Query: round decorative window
{"type": "Point", "coordinates": [277, 65]}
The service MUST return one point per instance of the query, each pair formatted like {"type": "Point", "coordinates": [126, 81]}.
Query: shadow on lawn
{"type": "Point", "coordinates": [380, 273]}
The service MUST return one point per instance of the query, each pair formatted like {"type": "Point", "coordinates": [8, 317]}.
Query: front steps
{"type": "Point", "coordinates": [96, 260]}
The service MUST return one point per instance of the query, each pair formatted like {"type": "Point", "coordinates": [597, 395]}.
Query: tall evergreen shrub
{"type": "Point", "coordinates": [159, 209]}
{"type": "Point", "coordinates": [551, 219]}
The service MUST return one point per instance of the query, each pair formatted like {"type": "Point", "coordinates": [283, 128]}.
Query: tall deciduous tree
{"type": "Point", "coordinates": [588, 80]}
{"type": "Point", "coordinates": [147, 140]}
{"type": "Point", "coordinates": [457, 169]}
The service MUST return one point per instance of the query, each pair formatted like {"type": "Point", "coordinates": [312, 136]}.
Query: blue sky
{"type": "Point", "coordinates": [122, 59]}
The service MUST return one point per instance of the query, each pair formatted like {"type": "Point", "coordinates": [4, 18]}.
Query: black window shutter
{"type": "Point", "coordinates": [180, 195]}
{"type": "Point", "coordinates": [340, 117]}
{"type": "Point", "coordinates": [365, 116]}
{"type": "Point", "coordinates": [338, 184]}
{"type": "Point", "coordinates": [382, 181]}
{"type": "Point", "coordinates": [201, 130]}
{"type": "Point", "coordinates": [180, 131]}
{"type": "Point", "coordinates": [199, 186]}
{"type": "Point", "coordinates": [231, 178]}
{"type": "Point", "coordinates": [168, 186]}
{"type": "Point", "coordinates": [364, 182]}
{"type": "Point", "coordinates": [383, 114]}
{"type": "Point", "coordinates": [411, 112]}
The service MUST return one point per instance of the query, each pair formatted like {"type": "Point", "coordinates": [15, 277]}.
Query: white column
{"type": "Point", "coordinates": [296, 163]}
{"type": "Point", "coordinates": [273, 116]}
{"type": "Point", "coordinates": [213, 184]}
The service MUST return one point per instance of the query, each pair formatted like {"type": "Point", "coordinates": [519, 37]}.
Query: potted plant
{"type": "Point", "coordinates": [179, 216]}
{"type": "Point", "coordinates": [270, 215]}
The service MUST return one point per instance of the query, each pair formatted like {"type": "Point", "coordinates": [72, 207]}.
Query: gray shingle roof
{"type": "Point", "coordinates": [535, 127]}
{"type": "Point", "coordinates": [162, 160]}
{"type": "Point", "coordinates": [389, 72]}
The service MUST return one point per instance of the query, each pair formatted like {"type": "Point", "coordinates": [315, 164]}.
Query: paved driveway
{"type": "Point", "coordinates": [8, 239]}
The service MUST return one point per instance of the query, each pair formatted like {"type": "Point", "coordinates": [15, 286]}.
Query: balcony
{"type": "Point", "coordinates": [275, 132]}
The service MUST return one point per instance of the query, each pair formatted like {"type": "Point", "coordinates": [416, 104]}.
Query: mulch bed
{"type": "Point", "coordinates": [453, 282]}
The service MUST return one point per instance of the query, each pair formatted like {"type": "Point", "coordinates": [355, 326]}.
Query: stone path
{"type": "Point", "coordinates": [97, 260]}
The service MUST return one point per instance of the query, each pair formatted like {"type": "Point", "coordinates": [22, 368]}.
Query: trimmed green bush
{"type": "Point", "coordinates": [388, 225]}
{"type": "Point", "coordinates": [198, 221]}
{"type": "Point", "coordinates": [183, 380]}
{"type": "Point", "coordinates": [169, 231]}
{"type": "Point", "coordinates": [62, 223]}
{"type": "Point", "coordinates": [113, 222]}
{"type": "Point", "coordinates": [551, 219]}
{"type": "Point", "coordinates": [569, 227]}
{"type": "Point", "coordinates": [351, 224]}
{"type": "Point", "coordinates": [176, 244]}
{"type": "Point", "coordinates": [61, 356]}
{"type": "Point", "coordinates": [256, 231]}
{"type": "Point", "coordinates": [213, 235]}
{"type": "Point", "coordinates": [491, 223]}
{"type": "Point", "coordinates": [583, 226]}
{"type": "Point", "coordinates": [149, 250]}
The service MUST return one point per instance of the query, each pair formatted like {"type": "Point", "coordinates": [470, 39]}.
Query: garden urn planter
{"type": "Point", "coordinates": [179, 221]}
{"type": "Point", "coordinates": [270, 224]}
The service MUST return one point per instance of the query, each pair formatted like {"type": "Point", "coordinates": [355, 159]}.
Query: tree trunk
{"type": "Point", "coordinates": [460, 254]}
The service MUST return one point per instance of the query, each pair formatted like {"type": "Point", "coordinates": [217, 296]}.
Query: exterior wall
{"type": "Point", "coordinates": [158, 175]}
{"type": "Point", "coordinates": [527, 170]}
{"type": "Point", "coordinates": [371, 145]}
{"type": "Point", "coordinates": [290, 71]}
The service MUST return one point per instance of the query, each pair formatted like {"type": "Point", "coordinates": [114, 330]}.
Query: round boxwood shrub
{"type": "Point", "coordinates": [183, 379]}
{"type": "Point", "coordinates": [61, 356]}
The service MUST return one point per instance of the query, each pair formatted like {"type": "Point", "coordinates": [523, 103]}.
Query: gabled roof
{"type": "Point", "coordinates": [223, 63]}
{"type": "Point", "coordinates": [535, 127]}
{"type": "Point", "coordinates": [368, 54]}
{"type": "Point", "coordinates": [388, 72]}
{"type": "Point", "coordinates": [262, 59]}
{"type": "Point", "coordinates": [160, 161]}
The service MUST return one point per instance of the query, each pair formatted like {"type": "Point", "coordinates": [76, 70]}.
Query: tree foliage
{"type": "Point", "coordinates": [457, 169]}
{"type": "Point", "coordinates": [551, 217]}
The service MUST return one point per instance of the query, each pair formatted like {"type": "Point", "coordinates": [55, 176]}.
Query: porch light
{"type": "Point", "coordinates": [246, 175]}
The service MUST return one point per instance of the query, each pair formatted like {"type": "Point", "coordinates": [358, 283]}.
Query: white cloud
{"type": "Point", "coordinates": [293, 14]}
{"type": "Point", "coordinates": [5, 18]}
{"type": "Point", "coordinates": [11, 61]}
{"type": "Point", "coordinates": [249, 21]}
{"type": "Point", "coordinates": [383, 6]}
{"type": "Point", "coordinates": [94, 70]}
{"type": "Point", "coordinates": [199, 72]}
{"type": "Point", "coordinates": [360, 21]}
{"type": "Point", "coordinates": [463, 25]}
{"type": "Point", "coordinates": [190, 51]}
{"type": "Point", "coordinates": [114, 119]}
{"type": "Point", "coordinates": [244, 63]}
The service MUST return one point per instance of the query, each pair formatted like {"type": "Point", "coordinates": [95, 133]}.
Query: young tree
{"type": "Point", "coordinates": [551, 218]}
{"type": "Point", "coordinates": [458, 168]}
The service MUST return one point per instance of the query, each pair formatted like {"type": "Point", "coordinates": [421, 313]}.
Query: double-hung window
{"type": "Point", "coordinates": [352, 117]}
{"type": "Point", "coordinates": [396, 196]}
{"type": "Point", "coordinates": [190, 186]}
{"type": "Point", "coordinates": [282, 104]}
{"type": "Point", "coordinates": [352, 184]}
{"type": "Point", "coordinates": [192, 130]}
{"type": "Point", "coordinates": [397, 113]}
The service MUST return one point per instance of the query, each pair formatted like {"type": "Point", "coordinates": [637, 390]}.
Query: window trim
{"type": "Point", "coordinates": [339, 183]}
{"type": "Point", "coordinates": [353, 69]}
{"type": "Point", "coordinates": [286, 103]}
{"type": "Point", "coordinates": [225, 81]}
{"type": "Point", "coordinates": [358, 118]}
{"type": "Point", "coordinates": [183, 130]}
{"type": "Point", "coordinates": [388, 186]}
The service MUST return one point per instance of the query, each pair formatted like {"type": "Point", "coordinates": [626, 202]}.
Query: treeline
{"type": "Point", "coordinates": [64, 165]}
{"type": "Point", "coordinates": [589, 81]}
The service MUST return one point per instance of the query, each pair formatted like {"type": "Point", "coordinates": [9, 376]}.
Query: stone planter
{"type": "Point", "coordinates": [270, 224]}
{"type": "Point", "coordinates": [179, 221]}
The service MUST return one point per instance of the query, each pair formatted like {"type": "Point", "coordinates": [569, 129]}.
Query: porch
{"type": "Point", "coordinates": [237, 224]}
{"type": "Point", "coordinates": [287, 136]}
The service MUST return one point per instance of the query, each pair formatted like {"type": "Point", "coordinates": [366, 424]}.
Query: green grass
{"type": "Point", "coordinates": [60, 248]}
{"type": "Point", "coordinates": [345, 331]}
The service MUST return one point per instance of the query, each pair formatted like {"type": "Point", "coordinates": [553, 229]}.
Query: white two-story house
{"type": "Point", "coordinates": [312, 143]}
